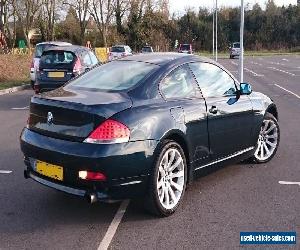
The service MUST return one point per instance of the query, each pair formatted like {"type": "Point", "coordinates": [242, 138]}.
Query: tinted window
{"type": "Point", "coordinates": [213, 81]}
{"type": "Point", "coordinates": [39, 49]}
{"type": "Point", "coordinates": [114, 76]}
{"type": "Point", "coordinates": [118, 49]}
{"type": "Point", "coordinates": [146, 49]}
{"type": "Point", "coordinates": [236, 45]}
{"type": "Point", "coordinates": [185, 47]}
{"type": "Point", "coordinates": [179, 83]}
{"type": "Point", "coordinates": [57, 58]}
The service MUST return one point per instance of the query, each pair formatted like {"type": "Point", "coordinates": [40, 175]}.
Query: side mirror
{"type": "Point", "coordinates": [245, 89]}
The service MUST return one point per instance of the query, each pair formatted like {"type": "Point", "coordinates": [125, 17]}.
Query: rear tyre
{"type": "Point", "coordinates": [268, 140]}
{"type": "Point", "coordinates": [168, 181]}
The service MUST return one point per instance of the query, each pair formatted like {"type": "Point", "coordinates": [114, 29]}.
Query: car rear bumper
{"type": "Point", "coordinates": [127, 166]}
{"type": "Point", "coordinates": [48, 86]}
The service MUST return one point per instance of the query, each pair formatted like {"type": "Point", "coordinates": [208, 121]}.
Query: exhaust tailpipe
{"type": "Point", "coordinates": [91, 197]}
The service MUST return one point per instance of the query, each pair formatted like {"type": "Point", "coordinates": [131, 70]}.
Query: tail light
{"type": "Point", "coordinates": [32, 66]}
{"type": "Point", "coordinates": [110, 131]}
{"type": "Point", "coordinates": [36, 88]}
{"type": "Point", "coordinates": [91, 176]}
{"type": "Point", "coordinates": [77, 66]}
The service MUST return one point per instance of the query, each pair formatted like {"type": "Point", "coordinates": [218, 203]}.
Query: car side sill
{"type": "Point", "coordinates": [226, 158]}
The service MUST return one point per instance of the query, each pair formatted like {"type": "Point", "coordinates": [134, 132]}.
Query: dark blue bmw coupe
{"type": "Point", "coordinates": [143, 126]}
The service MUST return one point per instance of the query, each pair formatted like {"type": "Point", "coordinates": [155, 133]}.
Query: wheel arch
{"type": "Point", "coordinates": [179, 137]}
{"type": "Point", "coordinates": [272, 109]}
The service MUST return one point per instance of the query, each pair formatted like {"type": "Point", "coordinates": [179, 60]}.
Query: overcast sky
{"type": "Point", "coordinates": [180, 5]}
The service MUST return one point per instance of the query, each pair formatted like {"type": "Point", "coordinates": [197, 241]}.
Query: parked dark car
{"type": "Point", "coordinates": [60, 64]}
{"type": "Point", "coordinates": [186, 48]}
{"type": "Point", "coordinates": [143, 126]}
{"type": "Point", "coordinates": [147, 49]}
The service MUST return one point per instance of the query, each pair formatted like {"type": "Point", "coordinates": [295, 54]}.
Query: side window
{"type": "Point", "coordinates": [86, 60]}
{"type": "Point", "coordinates": [180, 83]}
{"type": "Point", "coordinates": [93, 58]}
{"type": "Point", "coordinates": [213, 81]}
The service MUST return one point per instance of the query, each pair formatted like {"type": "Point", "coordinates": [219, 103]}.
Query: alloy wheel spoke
{"type": "Point", "coordinates": [261, 150]}
{"type": "Point", "coordinates": [177, 186]}
{"type": "Point", "coordinates": [176, 164]}
{"type": "Point", "coordinates": [266, 124]}
{"type": "Point", "coordinates": [167, 196]}
{"type": "Point", "coordinates": [170, 161]}
{"type": "Point", "coordinates": [273, 136]}
{"type": "Point", "coordinates": [266, 148]}
{"type": "Point", "coordinates": [162, 195]}
{"type": "Point", "coordinates": [270, 129]}
{"type": "Point", "coordinates": [273, 145]}
{"type": "Point", "coordinates": [159, 184]}
{"type": "Point", "coordinates": [172, 194]}
{"type": "Point", "coordinates": [177, 174]}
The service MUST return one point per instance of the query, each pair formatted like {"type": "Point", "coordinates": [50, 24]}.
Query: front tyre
{"type": "Point", "coordinates": [168, 181]}
{"type": "Point", "coordinates": [268, 140]}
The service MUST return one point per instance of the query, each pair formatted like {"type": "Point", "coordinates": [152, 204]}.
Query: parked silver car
{"type": "Point", "coordinates": [235, 50]}
{"type": "Point", "coordinates": [39, 49]}
{"type": "Point", "coordinates": [119, 51]}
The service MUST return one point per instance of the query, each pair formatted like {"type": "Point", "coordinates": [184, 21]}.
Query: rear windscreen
{"type": "Point", "coordinates": [236, 45]}
{"type": "Point", "coordinates": [59, 58]}
{"type": "Point", "coordinates": [185, 47]}
{"type": "Point", "coordinates": [39, 49]}
{"type": "Point", "coordinates": [146, 49]}
{"type": "Point", "coordinates": [119, 49]}
{"type": "Point", "coordinates": [114, 76]}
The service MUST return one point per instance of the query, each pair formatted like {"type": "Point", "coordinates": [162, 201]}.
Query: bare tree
{"type": "Point", "coordinates": [81, 7]}
{"type": "Point", "coordinates": [47, 18]}
{"type": "Point", "coordinates": [102, 11]}
{"type": "Point", "coordinates": [27, 11]}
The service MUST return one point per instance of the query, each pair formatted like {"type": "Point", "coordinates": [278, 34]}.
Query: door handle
{"type": "Point", "coordinates": [213, 110]}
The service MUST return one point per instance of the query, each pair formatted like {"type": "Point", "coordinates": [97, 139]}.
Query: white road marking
{"type": "Point", "coordinates": [257, 63]}
{"type": "Point", "coordinates": [255, 74]}
{"type": "Point", "coordinates": [5, 172]}
{"type": "Point", "coordinates": [287, 90]}
{"type": "Point", "coordinates": [111, 231]}
{"type": "Point", "coordinates": [23, 108]}
{"type": "Point", "coordinates": [234, 63]}
{"type": "Point", "coordinates": [284, 59]}
{"type": "Point", "coordinates": [282, 71]}
{"type": "Point", "coordinates": [289, 183]}
{"type": "Point", "coordinates": [277, 63]}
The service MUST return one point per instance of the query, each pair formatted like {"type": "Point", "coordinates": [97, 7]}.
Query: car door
{"type": "Point", "coordinates": [187, 106]}
{"type": "Point", "coordinates": [230, 115]}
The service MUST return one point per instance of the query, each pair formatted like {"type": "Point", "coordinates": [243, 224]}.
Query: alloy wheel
{"type": "Point", "coordinates": [267, 140]}
{"type": "Point", "coordinates": [170, 178]}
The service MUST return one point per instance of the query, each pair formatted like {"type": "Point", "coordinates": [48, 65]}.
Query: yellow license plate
{"type": "Point", "coordinates": [50, 170]}
{"type": "Point", "coordinates": [56, 74]}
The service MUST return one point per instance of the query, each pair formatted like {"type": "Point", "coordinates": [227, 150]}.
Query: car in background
{"type": "Point", "coordinates": [60, 64]}
{"type": "Point", "coordinates": [39, 49]}
{"type": "Point", "coordinates": [145, 126]}
{"type": "Point", "coordinates": [235, 50]}
{"type": "Point", "coordinates": [186, 48]}
{"type": "Point", "coordinates": [147, 49]}
{"type": "Point", "coordinates": [119, 51]}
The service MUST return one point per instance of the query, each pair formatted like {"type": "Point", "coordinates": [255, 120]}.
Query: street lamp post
{"type": "Point", "coordinates": [216, 30]}
{"type": "Point", "coordinates": [213, 50]}
{"type": "Point", "coordinates": [241, 62]}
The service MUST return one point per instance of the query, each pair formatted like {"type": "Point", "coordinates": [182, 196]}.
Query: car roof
{"type": "Point", "coordinates": [58, 43]}
{"type": "Point", "coordinates": [162, 58]}
{"type": "Point", "coordinates": [72, 48]}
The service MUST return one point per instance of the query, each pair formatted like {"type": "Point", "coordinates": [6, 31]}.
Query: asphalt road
{"type": "Point", "coordinates": [216, 208]}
